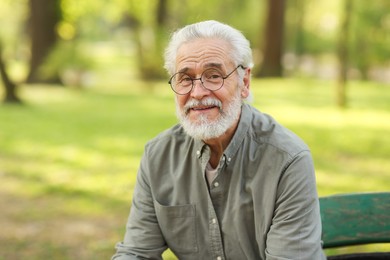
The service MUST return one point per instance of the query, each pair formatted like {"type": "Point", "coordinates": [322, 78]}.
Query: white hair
{"type": "Point", "coordinates": [241, 52]}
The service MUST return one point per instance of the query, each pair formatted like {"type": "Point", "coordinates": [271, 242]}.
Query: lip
{"type": "Point", "coordinates": [202, 109]}
{"type": "Point", "coordinates": [206, 105]}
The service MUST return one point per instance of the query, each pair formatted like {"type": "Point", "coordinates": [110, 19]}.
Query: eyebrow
{"type": "Point", "coordinates": [213, 65]}
{"type": "Point", "coordinates": [183, 70]}
{"type": "Point", "coordinates": [205, 66]}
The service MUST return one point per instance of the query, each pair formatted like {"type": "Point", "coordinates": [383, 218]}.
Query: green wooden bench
{"type": "Point", "coordinates": [355, 219]}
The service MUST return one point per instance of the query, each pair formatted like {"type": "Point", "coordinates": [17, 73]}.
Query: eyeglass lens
{"type": "Point", "coordinates": [211, 79]}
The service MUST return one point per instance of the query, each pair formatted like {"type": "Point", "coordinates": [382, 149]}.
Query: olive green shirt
{"type": "Point", "coordinates": [262, 204]}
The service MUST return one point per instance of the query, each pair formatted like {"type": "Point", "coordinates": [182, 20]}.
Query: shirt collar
{"type": "Point", "coordinates": [240, 133]}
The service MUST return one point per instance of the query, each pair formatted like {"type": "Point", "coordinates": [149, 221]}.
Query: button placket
{"type": "Point", "coordinates": [215, 235]}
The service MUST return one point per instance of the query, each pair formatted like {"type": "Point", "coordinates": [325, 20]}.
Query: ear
{"type": "Point", "coordinates": [246, 83]}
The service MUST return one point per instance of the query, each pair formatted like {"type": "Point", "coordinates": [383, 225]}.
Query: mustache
{"type": "Point", "coordinates": [204, 102]}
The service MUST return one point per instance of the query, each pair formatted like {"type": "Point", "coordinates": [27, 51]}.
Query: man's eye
{"type": "Point", "coordinates": [215, 76]}
{"type": "Point", "coordinates": [185, 80]}
{"type": "Point", "coordinates": [212, 76]}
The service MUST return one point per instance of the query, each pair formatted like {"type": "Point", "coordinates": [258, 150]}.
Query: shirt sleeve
{"type": "Point", "coordinates": [143, 238]}
{"type": "Point", "coordinates": [295, 232]}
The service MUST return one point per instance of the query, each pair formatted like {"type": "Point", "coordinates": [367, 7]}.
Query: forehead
{"type": "Point", "coordinates": [199, 54]}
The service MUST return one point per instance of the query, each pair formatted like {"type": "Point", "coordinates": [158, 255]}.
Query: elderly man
{"type": "Point", "coordinates": [228, 182]}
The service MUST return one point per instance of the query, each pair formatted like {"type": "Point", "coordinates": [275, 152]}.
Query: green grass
{"type": "Point", "coordinates": [68, 158]}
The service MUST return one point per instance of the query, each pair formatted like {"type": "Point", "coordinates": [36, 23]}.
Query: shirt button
{"type": "Point", "coordinates": [229, 159]}
{"type": "Point", "coordinates": [216, 184]}
{"type": "Point", "coordinates": [214, 220]}
{"type": "Point", "coordinates": [219, 258]}
{"type": "Point", "coordinates": [197, 152]}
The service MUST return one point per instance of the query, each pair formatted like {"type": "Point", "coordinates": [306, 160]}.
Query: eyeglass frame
{"type": "Point", "coordinates": [200, 79]}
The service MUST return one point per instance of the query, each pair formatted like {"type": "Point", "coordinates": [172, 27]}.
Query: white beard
{"type": "Point", "coordinates": [205, 129]}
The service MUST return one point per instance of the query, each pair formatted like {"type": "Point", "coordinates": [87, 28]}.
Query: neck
{"type": "Point", "coordinates": [219, 144]}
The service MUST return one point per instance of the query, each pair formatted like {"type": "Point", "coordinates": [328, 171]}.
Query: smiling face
{"type": "Point", "coordinates": [207, 114]}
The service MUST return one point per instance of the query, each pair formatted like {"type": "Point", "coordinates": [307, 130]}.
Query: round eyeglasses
{"type": "Point", "coordinates": [211, 79]}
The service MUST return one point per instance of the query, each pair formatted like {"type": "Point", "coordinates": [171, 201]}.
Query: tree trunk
{"type": "Point", "coordinates": [273, 46]}
{"type": "Point", "coordinates": [10, 87]}
{"type": "Point", "coordinates": [343, 55]}
{"type": "Point", "coordinates": [44, 16]}
{"type": "Point", "coordinates": [300, 41]}
{"type": "Point", "coordinates": [162, 12]}
{"type": "Point", "coordinates": [150, 58]}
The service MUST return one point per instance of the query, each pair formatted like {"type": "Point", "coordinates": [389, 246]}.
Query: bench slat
{"type": "Point", "coordinates": [353, 219]}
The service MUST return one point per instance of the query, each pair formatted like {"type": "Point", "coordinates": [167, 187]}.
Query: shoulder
{"type": "Point", "coordinates": [265, 130]}
{"type": "Point", "coordinates": [172, 138]}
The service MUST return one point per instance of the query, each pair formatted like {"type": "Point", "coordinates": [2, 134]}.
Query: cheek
{"type": "Point", "coordinates": [229, 95]}
{"type": "Point", "coordinates": [180, 100]}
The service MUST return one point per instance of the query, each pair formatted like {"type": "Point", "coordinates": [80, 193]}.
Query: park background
{"type": "Point", "coordinates": [83, 89]}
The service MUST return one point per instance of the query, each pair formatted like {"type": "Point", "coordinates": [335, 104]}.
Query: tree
{"type": "Point", "coordinates": [9, 86]}
{"type": "Point", "coordinates": [44, 16]}
{"type": "Point", "coordinates": [273, 36]}
{"type": "Point", "coordinates": [369, 39]}
{"type": "Point", "coordinates": [343, 56]}
{"type": "Point", "coordinates": [300, 20]}
{"type": "Point", "coordinates": [149, 36]}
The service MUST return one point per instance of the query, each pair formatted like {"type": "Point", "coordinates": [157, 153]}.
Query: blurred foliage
{"type": "Point", "coordinates": [13, 14]}
{"type": "Point", "coordinates": [70, 61]}
{"type": "Point", "coordinates": [311, 29]}
{"type": "Point", "coordinates": [13, 32]}
{"type": "Point", "coordinates": [371, 35]}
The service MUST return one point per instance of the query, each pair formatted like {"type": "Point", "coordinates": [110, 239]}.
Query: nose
{"type": "Point", "coordinates": [198, 91]}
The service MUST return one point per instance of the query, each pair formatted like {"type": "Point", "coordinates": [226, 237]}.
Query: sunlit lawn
{"type": "Point", "coordinates": [68, 158]}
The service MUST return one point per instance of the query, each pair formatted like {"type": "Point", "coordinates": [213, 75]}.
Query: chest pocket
{"type": "Point", "coordinates": [178, 226]}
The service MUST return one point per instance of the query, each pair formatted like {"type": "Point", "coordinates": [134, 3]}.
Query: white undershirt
{"type": "Point", "coordinates": [211, 173]}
